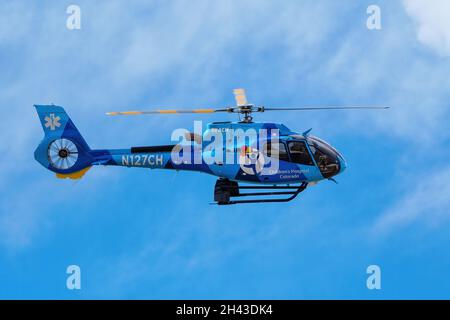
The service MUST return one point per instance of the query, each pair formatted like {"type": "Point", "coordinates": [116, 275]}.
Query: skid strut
{"type": "Point", "coordinates": [225, 190]}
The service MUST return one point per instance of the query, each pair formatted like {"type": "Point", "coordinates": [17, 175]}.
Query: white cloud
{"type": "Point", "coordinates": [385, 69]}
{"type": "Point", "coordinates": [427, 201]}
{"type": "Point", "coordinates": [432, 17]}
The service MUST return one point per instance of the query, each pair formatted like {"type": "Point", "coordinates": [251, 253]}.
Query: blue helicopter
{"type": "Point", "coordinates": [254, 162]}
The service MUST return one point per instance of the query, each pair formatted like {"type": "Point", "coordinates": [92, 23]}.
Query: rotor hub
{"type": "Point", "coordinates": [246, 110]}
{"type": "Point", "coordinates": [63, 153]}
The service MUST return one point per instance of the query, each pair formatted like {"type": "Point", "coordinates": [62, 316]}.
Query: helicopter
{"type": "Point", "coordinates": [255, 162]}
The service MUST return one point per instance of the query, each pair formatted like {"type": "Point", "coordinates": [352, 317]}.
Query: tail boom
{"type": "Point", "coordinates": [65, 152]}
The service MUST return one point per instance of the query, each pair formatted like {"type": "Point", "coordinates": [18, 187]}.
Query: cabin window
{"type": "Point", "coordinates": [299, 153]}
{"type": "Point", "coordinates": [278, 149]}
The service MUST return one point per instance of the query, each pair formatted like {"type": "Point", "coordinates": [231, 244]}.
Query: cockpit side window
{"type": "Point", "coordinates": [299, 153]}
{"type": "Point", "coordinates": [276, 150]}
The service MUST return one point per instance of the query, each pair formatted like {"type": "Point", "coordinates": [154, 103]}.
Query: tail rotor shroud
{"type": "Point", "coordinates": [62, 154]}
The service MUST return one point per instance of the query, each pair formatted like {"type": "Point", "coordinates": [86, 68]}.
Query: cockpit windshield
{"type": "Point", "coordinates": [325, 156]}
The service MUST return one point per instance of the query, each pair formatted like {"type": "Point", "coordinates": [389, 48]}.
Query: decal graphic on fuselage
{"type": "Point", "coordinates": [251, 160]}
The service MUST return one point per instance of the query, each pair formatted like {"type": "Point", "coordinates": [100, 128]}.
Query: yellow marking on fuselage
{"type": "Point", "coordinates": [74, 175]}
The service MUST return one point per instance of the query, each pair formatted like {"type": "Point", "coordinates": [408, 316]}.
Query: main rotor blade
{"type": "Point", "coordinates": [325, 108]}
{"type": "Point", "coordinates": [240, 97]}
{"type": "Point", "coordinates": [164, 111]}
{"type": "Point", "coordinates": [238, 109]}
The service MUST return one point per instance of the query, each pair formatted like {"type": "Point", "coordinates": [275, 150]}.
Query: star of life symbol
{"type": "Point", "coordinates": [52, 122]}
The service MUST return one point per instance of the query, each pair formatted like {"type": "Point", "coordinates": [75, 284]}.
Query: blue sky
{"type": "Point", "coordinates": [139, 233]}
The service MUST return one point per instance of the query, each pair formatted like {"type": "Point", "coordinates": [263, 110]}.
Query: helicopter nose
{"type": "Point", "coordinates": [342, 162]}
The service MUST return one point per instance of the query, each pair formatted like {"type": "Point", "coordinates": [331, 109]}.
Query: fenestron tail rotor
{"type": "Point", "coordinates": [62, 154]}
{"type": "Point", "coordinates": [242, 107]}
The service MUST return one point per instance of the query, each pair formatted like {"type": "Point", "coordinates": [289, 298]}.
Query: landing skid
{"type": "Point", "coordinates": [225, 190]}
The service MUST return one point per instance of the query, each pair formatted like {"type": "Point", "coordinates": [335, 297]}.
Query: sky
{"type": "Point", "coordinates": [149, 234]}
